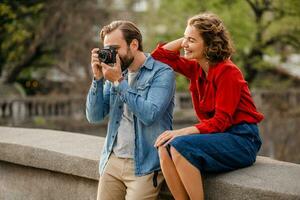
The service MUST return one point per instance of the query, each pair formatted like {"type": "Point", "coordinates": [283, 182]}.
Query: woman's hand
{"type": "Point", "coordinates": [166, 137]}
{"type": "Point", "coordinates": [174, 45]}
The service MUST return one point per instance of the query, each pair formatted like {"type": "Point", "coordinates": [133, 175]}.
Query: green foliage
{"type": "Point", "coordinates": [18, 21]}
{"type": "Point", "coordinates": [181, 83]}
{"type": "Point", "coordinates": [257, 28]}
{"type": "Point", "coordinates": [264, 29]}
{"type": "Point", "coordinates": [39, 121]}
{"type": "Point", "coordinates": [168, 21]}
{"type": "Point", "coordinates": [269, 81]}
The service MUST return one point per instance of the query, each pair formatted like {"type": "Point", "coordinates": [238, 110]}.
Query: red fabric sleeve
{"type": "Point", "coordinates": [174, 60]}
{"type": "Point", "coordinates": [228, 93]}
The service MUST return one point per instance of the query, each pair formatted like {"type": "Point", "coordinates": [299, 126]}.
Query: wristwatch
{"type": "Point", "coordinates": [117, 82]}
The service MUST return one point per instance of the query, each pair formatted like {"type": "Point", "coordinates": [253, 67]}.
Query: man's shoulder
{"type": "Point", "coordinates": [157, 65]}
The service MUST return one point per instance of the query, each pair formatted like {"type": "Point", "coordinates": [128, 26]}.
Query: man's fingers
{"type": "Point", "coordinates": [96, 65]}
{"type": "Point", "coordinates": [104, 65]}
{"type": "Point", "coordinates": [118, 61]}
{"type": "Point", "coordinates": [95, 56]}
{"type": "Point", "coordinates": [94, 50]}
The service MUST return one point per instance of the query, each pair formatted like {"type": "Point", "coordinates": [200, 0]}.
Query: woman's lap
{"type": "Point", "coordinates": [220, 152]}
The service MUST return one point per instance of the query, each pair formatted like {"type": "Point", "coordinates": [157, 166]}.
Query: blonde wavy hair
{"type": "Point", "coordinates": [218, 44]}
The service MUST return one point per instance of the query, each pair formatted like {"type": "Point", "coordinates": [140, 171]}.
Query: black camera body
{"type": "Point", "coordinates": [107, 54]}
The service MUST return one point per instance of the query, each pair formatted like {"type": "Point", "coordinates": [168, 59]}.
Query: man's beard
{"type": "Point", "coordinates": [126, 60]}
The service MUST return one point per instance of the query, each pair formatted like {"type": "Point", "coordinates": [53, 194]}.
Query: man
{"type": "Point", "coordinates": [138, 96]}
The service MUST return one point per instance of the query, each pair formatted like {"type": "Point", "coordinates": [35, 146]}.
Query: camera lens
{"type": "Point", "coordinates": [107, 55]}
{"type": "Point", "coordinates": [104, 55]}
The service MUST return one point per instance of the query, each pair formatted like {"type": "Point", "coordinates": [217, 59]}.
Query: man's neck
{"type": "Point", "coordinates": [138, 61]}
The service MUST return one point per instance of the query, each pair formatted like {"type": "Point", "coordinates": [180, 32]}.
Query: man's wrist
{"type": "Point", "coordinates": [97, 78]}
{"type": "Point", "coordinates": [117, 82]}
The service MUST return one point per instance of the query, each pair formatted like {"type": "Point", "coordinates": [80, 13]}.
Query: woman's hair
{"type": "Point", "coordinates": [218, 44]}
{"type": "Point", "coordinates": [128, 29]}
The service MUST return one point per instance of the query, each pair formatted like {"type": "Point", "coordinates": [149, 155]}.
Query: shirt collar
{"type": "Point", "coordinates": [149, 62]}
{"type": "Point", "coordinates": [210, 73]}
{"type": "Point", "coordinates": [201, 73]}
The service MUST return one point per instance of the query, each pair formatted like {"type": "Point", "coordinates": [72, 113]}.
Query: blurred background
{"type": "Point", "coordinates": [45, 59]}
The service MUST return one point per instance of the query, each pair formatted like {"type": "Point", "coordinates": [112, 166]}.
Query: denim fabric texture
{"type": "Point", "coordinates": [150, 98]}
{"type": "Point", "coordinates": [220, 152]}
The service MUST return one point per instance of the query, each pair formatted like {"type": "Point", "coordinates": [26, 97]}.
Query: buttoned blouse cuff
{"type": "Point", "coordinates": [202, 127]}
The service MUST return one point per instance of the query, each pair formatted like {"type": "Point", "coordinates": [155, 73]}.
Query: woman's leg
{"type": "Point", "coordinates": [189, 175]}
{"type": "Point", "coordinates": [172, 178]}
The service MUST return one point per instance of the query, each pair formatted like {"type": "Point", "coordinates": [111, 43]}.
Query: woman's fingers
{"type": "Point", "coordinates": [160, 138]}
{"type": "Point", "coordinates": [163, 138]}
{"type": "Point", "coordinates": [170, 140]}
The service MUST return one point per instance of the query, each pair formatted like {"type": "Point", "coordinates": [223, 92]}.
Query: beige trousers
{"type": "Point", "coordinates": [119, 182]}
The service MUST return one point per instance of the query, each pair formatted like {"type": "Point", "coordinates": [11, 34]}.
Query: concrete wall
{"type": "Point", "coordinates": [40, 164]}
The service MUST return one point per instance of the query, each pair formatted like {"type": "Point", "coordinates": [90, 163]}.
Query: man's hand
{"type": "Point", "coordinates": [112, 73]}
{"type": "Point", "coordinates": [95, 64]}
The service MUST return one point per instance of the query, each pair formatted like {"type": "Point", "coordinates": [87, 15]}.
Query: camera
{"type": "Point", "coordinates": [107, 55]}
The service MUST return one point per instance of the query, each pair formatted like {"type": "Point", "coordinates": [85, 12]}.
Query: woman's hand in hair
{"type": "Point", "coordinates": [174, 45]}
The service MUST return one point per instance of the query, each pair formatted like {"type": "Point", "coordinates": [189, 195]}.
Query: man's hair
{"type": "Point", "coordinates": [218, 45]}
{"type": "Point", "coordinates": [129, 30]}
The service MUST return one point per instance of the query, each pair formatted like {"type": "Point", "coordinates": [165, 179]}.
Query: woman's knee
{"type": "Point", "coordinates": [176, 156]}
{"type": "Point", "coordinates": [163, 154]}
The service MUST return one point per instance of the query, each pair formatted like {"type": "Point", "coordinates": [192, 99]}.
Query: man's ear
{"type": "Point", "coordinates": [134, 44]}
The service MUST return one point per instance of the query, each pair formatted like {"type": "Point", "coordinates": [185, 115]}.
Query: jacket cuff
{"type": "Point", "coordinates": [96, 84]}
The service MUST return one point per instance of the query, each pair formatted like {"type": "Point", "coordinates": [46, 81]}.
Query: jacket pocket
{"type": "Point", "coordinates": [143, 90]}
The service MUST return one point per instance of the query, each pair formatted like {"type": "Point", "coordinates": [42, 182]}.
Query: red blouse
{"type": "Point", "coordinates": [221, 99]}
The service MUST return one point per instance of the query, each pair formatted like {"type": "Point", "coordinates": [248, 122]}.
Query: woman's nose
{"type": "Point", "coordinates": [184, 43]}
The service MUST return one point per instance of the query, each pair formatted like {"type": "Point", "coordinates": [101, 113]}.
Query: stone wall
{"type": "Point", "coordinates": [279, 129]}
{"type": "Point", "coordinates": [40, 164]}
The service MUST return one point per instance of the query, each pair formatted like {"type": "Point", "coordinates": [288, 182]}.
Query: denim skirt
{"type": "Point", "coordinates": [235, 148]}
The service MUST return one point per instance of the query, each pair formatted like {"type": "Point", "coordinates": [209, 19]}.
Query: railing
{"type": "Point", "coordinates": [266, 99]}
{"type": "Point", "coordinates": [15, 110]}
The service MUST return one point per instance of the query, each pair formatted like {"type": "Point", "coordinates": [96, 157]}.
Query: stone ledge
{"type": "Point", "coordinates": [78, 154]}
{"type": "Point", "coordinates": [266, 179]}
{"type": "Point", "coordinates": [64, 152]}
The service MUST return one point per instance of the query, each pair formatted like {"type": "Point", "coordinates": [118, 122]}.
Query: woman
{"type": "Point", "coordinates": [226, 137]}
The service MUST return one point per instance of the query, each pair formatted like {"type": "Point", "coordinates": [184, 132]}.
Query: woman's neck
{"type": "Point", "coordinates": [204, 64]}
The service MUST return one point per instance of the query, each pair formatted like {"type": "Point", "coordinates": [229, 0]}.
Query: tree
{"type": "Point", "coordinates": [39, 35]}
{"type": "Point", "coordinates": [16, 21]}
{"type": "Point", "coordinates": [258, 28]}
{"type": "Point", "coordinates": [277, 25]}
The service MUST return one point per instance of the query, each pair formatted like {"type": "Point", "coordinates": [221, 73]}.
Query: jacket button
{"type": "Point", "coordinates": [117, 122]}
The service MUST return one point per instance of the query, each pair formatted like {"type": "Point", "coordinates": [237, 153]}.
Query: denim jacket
{"type": "Point", "coordinates": [150, 98]}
